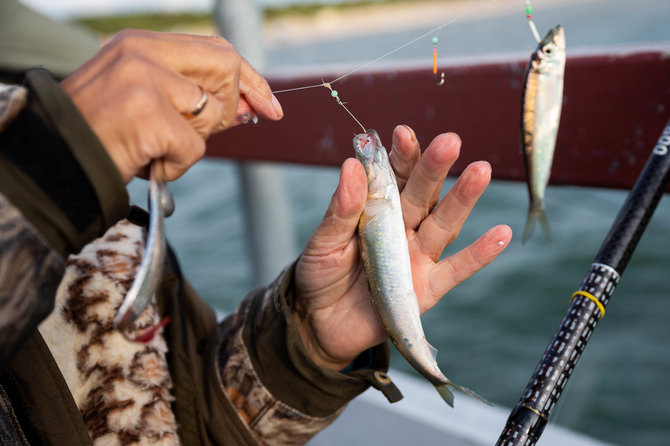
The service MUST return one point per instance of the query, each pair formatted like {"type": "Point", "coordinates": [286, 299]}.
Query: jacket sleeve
{"type": "Point", "coordinates": [279, 392]}
{"type": "Point", "coordinates": [247, 380]}
{"type": "Point", "coordinates": [58, 190]}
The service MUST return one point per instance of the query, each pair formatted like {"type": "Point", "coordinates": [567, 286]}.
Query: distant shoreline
{"type": "Point", "coordinates": [285, 19]}
{"type": "Point", "coordinates": [318, 22]}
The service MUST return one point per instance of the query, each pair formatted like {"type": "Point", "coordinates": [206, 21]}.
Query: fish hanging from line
{"type": "Point", "coordinates": [385, 256]}
{"type": "Point", "coordinates": [540, 114]}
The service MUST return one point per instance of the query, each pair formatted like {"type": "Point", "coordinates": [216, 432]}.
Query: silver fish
{"type": "Point", "coordinates": [385, 256]}
{"type": "Point", "coordinates": [541, 111]}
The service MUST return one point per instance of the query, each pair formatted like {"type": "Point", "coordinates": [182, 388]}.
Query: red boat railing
{"type": "Point", "coordinates": [616, 103]}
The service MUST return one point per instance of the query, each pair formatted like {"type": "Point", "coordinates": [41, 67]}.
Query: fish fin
{"type": "Point", "coordinates": [544, 222]}
{"type": "Point", "coordinates": [472, 394]}
{"type": "Point", "coordinates": [388, 193]}
{"type": "Point", "coordinates": [530, 226]}
{"type": "Point", "coordinates": [433, 351]}
{"type": "Point", "coordinates": [448, 396]}
{"type": "Point", "coordinates": [375, 207]}
{"type": "Point", "coordinates": [535, 215]}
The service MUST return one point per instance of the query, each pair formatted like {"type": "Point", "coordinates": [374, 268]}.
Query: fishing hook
{"type": "Point", "coordinates": [441, 80]}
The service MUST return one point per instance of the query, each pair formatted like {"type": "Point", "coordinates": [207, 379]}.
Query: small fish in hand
{"type": "Point", "coordinates": [541, 110]}
{"type": "Point", "coordinates": [385, 256]}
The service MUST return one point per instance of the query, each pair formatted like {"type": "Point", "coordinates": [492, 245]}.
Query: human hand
{"type": "Point", "coordinates": [138, 91]}
{"type": "Point", "coordinates": [332, 306]}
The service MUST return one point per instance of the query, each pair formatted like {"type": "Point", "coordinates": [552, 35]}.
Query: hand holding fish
{"type": "Point", "coordinates": [151, 95]}
{"type": "Point", "coordinates": [333, 308]}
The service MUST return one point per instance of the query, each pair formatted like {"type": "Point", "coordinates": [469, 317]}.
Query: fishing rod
{"type": "Point", "coordinates": [529, 417]}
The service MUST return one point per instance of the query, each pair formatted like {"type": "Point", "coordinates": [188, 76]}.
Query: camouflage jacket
{"type": "Point", "coordinates": [246, 380]}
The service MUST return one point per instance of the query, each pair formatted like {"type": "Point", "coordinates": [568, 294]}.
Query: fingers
{"type": "Point", "coordinates": [244, 113]}
{"type": "Point", "coordinates": [167, 136]}
{"type": "Point", "coordinates": [184, 96]}
{"type": "Point", "coordinates": [184, 147]}
{"type": "Point", "coordinates": [405, 153]}
{"type": "Point", "coordinates": [256, 90]}
{"type": "Point", "coordinates": [339, 224]}
{"type": "Point", "coordinates": [182, 143]}
{"type": "Point", "coordinates": [442, 226]}
{"type": "Point", "coordinates": [210, 61]}
{"type": "Point", "coordinates": [422, 190]}
{"type": "Point", "coordinates": [462, 265]}
{"type": "Point", "coordinates": [138, 91]}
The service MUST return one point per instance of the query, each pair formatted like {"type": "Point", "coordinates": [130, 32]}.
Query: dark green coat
{"type": "Point", "coordinates": [59, 190]}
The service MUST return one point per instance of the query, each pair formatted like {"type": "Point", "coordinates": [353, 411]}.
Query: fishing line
{"type": "Point", "coordinates": [335, 94]}
{"type": "Point", "coordinates": [435, 40]}
{"type": "Point", "coordinates": [395, 50]}
{"type": "Point", "coordinates": [298, 88]}
{"type": "Point", "coordinates": [529, 16]}
{"type": "Point", "coordinates": [435, 30]}
{"type": "Point", "coordinates": [426, 34]}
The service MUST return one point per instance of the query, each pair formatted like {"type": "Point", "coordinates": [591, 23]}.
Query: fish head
{"type": "Point", "coordinates": [366, 146]}
{"type": "Point", "coordinates": [369, 150]}
{"type": "Point", "coordinates": [550, 52]}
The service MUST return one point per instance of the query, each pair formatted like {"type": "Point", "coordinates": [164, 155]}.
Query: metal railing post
{"type": "Point", "coordinates": [270, 230]}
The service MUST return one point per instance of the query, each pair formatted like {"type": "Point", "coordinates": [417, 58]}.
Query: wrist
{"type": "Point", "coordinates": [314, 348]}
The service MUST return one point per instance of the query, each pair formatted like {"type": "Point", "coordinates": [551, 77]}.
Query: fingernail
{"type": "Point", "coordinates": [277, 106]}
{"type": "Point", "coordinates": [411, 132]}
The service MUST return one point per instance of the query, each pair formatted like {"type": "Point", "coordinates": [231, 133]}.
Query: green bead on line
{"type": "Point", "coordinates": [333, 93]}
{"type": "Point", "coordinates": [435, 40]}
{"type": "Point", "coordinates": [529, 10]}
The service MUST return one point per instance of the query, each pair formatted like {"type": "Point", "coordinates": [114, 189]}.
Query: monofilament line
{"type": "Point", "coordinates": [335, 95]}
{"type": "Point", "coordinates": [416, 39]}
{"type": "Point", "coordinates": [298, 88]}
{"type": "Point", "coordinates": [529, 16]}
{"type": "Point", "coordinates": [352, 115]}
{"type": "Point", "coordinates": [434, 30]}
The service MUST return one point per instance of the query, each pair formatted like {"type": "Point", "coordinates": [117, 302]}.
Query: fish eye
{"type": "Point", "coordinates": [548, 50]}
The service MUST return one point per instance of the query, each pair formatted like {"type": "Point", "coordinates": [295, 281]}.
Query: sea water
{"type": "Point", "coordinates": [491, 330]}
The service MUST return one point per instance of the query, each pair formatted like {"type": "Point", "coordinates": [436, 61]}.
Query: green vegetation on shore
{"type": "Point", "coordinates": [168, 21]}
{"type": "Point", "coordinates": [153, 21]}
{"type": "Point", "coordinates": [307, 9]}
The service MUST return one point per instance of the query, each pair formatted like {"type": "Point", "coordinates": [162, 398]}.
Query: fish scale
{"type": "Point", "coordinates": [385, 256]}
{"type": "Point", "coordinates": [540, 115]}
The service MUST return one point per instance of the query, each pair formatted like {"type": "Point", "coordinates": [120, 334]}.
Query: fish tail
{"type": "Point", "coordinates": [448, 396]}
{"type": "Point", "coordinates": [536, 214]}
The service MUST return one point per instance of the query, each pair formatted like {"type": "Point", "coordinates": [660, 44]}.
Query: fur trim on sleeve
{"type": "Point", "coordinates": [121, 388]}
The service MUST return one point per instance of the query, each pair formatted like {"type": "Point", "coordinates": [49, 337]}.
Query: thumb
{"type": "Point", "coordinates": [339, 224]}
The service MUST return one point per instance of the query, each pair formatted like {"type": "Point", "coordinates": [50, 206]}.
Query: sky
{"type": "Point", "coordinates": [68, 8]}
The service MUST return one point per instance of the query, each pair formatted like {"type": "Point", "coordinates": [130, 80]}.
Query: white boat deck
{"type": "Point", "coordinates": [423, 419]}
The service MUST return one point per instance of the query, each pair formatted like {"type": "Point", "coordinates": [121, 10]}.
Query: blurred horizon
{"type": "Point", "coordinates": [67, 9]}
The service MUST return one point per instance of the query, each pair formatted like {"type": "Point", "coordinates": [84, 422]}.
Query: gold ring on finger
{"type": "Point", "coordinates": [199, 107]}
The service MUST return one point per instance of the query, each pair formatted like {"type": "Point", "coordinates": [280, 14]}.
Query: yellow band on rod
{"type": "Point", "coordinates": [593, 298]}
{"type": "Point", "coordinates": [534, 410]}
